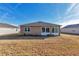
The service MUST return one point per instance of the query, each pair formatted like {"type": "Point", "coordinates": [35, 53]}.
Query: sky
{"type": "Point", "coordinates": [57, 13]}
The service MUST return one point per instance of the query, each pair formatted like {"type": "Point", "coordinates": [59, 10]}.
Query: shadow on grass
{"type": "Point", "coordinates": [69, 33]}
{"type": "Point", "coordinates": [17, 37]}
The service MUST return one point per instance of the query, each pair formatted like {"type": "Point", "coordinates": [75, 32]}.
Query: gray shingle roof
{"type": "Point", "coordinates": [72, 26]}
{"type": "Point", "coordinates": [4, 25]}
{"type": "Point", "coordinates": [40, 24]}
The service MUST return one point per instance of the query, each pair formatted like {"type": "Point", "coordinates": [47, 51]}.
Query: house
{"type": "Point", "coordinates": [7, 29]}
{"type": "Point", "coordinates": [72, 29]}
{"type": "Point", "coordinates": [40, 28]}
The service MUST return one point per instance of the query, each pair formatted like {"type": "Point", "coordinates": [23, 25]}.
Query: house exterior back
{"type": "Point", "coordinates": [6, 29]}
{"type": "Point", "coordinates": [72, 29]}
{"type": "Point", "coordinates": [40, 28]}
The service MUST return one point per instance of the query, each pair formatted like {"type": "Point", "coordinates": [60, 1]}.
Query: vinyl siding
{"type": "Point", "coordinates": [5, 31]}
{"type": "Point", "coordinates": [37, 30]}
{"type": "Point", "coordinates": [70, 30]}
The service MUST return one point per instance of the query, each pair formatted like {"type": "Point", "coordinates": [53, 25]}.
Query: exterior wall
{"type": "Point", "coordinates": [21, 29]}
{"type": "Point", "coordinates": [33, 30]}
{"type": "Point", "coordinates": [70, 30]}
{"type": "Point", "coordinates": [55, 33]}
{"type": "Point", "coordinates": [37, 30]}
{"type": "Point", "coordinates": [5, 31]}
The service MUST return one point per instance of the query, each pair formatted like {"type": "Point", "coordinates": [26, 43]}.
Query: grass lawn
{"type": "Point", "coordinates": [64, 45]}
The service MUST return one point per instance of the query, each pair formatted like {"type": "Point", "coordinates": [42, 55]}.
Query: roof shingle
{"type": "Point", "coordinates": [40, 24]}
{"type": "Point", "coordinates": [4, 25]}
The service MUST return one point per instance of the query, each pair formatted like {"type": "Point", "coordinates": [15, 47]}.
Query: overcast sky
{"type": "Point", "coordinates": [17, 14]}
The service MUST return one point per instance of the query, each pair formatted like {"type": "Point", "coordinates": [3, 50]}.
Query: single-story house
{"type": "Point", "coordinates": [7, 29]}
{"type": "Point", "coordinates": [72, 29]}
{"type": "Point", "coordinates": [40, 28]}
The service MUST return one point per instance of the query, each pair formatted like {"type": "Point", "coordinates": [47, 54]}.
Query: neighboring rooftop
{"type": "Point", "coordinates": [72, 26]}
{"type": "Point", "coordinates": [4, 25]}
{"type": "Point", "coordinates": [40, 23]}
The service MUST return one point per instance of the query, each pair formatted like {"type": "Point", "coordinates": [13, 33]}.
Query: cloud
{"type": "Point", "coordinates": [71, 16]}
{"type": "Point", "coordinates": [70, 13]}
{"type": "Point", "coordinates": [74, 11]}
{"type": "Point", "coordinates": [71, 21]}
{"type": "Point", "coordinates": [70, 8]}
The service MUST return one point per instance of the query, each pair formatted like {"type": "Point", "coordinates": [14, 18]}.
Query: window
{"type": "Point", "coordinates": [56, 29]}
{"type": "Point", "coordinates": [43, 29]}
{"type": "Point", "coordinates": [47, 29]}
{"type": "Point", "coordinates": [16, 30]}
{"type": "Point", "coordinates": [53, 29]}
{"type": "Point", "coordinates": [27, 29]}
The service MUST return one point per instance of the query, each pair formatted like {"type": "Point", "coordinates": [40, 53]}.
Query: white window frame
{"type": "Point", "coordinates": [56, 29]}
{"type": "Point", "coordinates": [27, 28]}
{"type": "Point", "coordinates": [45, 29]}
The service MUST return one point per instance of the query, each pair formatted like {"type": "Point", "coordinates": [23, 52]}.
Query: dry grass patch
{"type": "Point", "coordinates": [52, 46]}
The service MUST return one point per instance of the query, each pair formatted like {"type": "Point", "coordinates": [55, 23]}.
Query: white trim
{"type": "Point", "coordinates": [45, 33]}
{"type": "Point", "coordinates": [49, 33]}
{"type": "Point", "coordinates": [54, 33]}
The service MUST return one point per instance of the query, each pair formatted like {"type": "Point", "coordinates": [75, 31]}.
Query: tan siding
{"type": "Point", "coordinates": [36, 30]}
